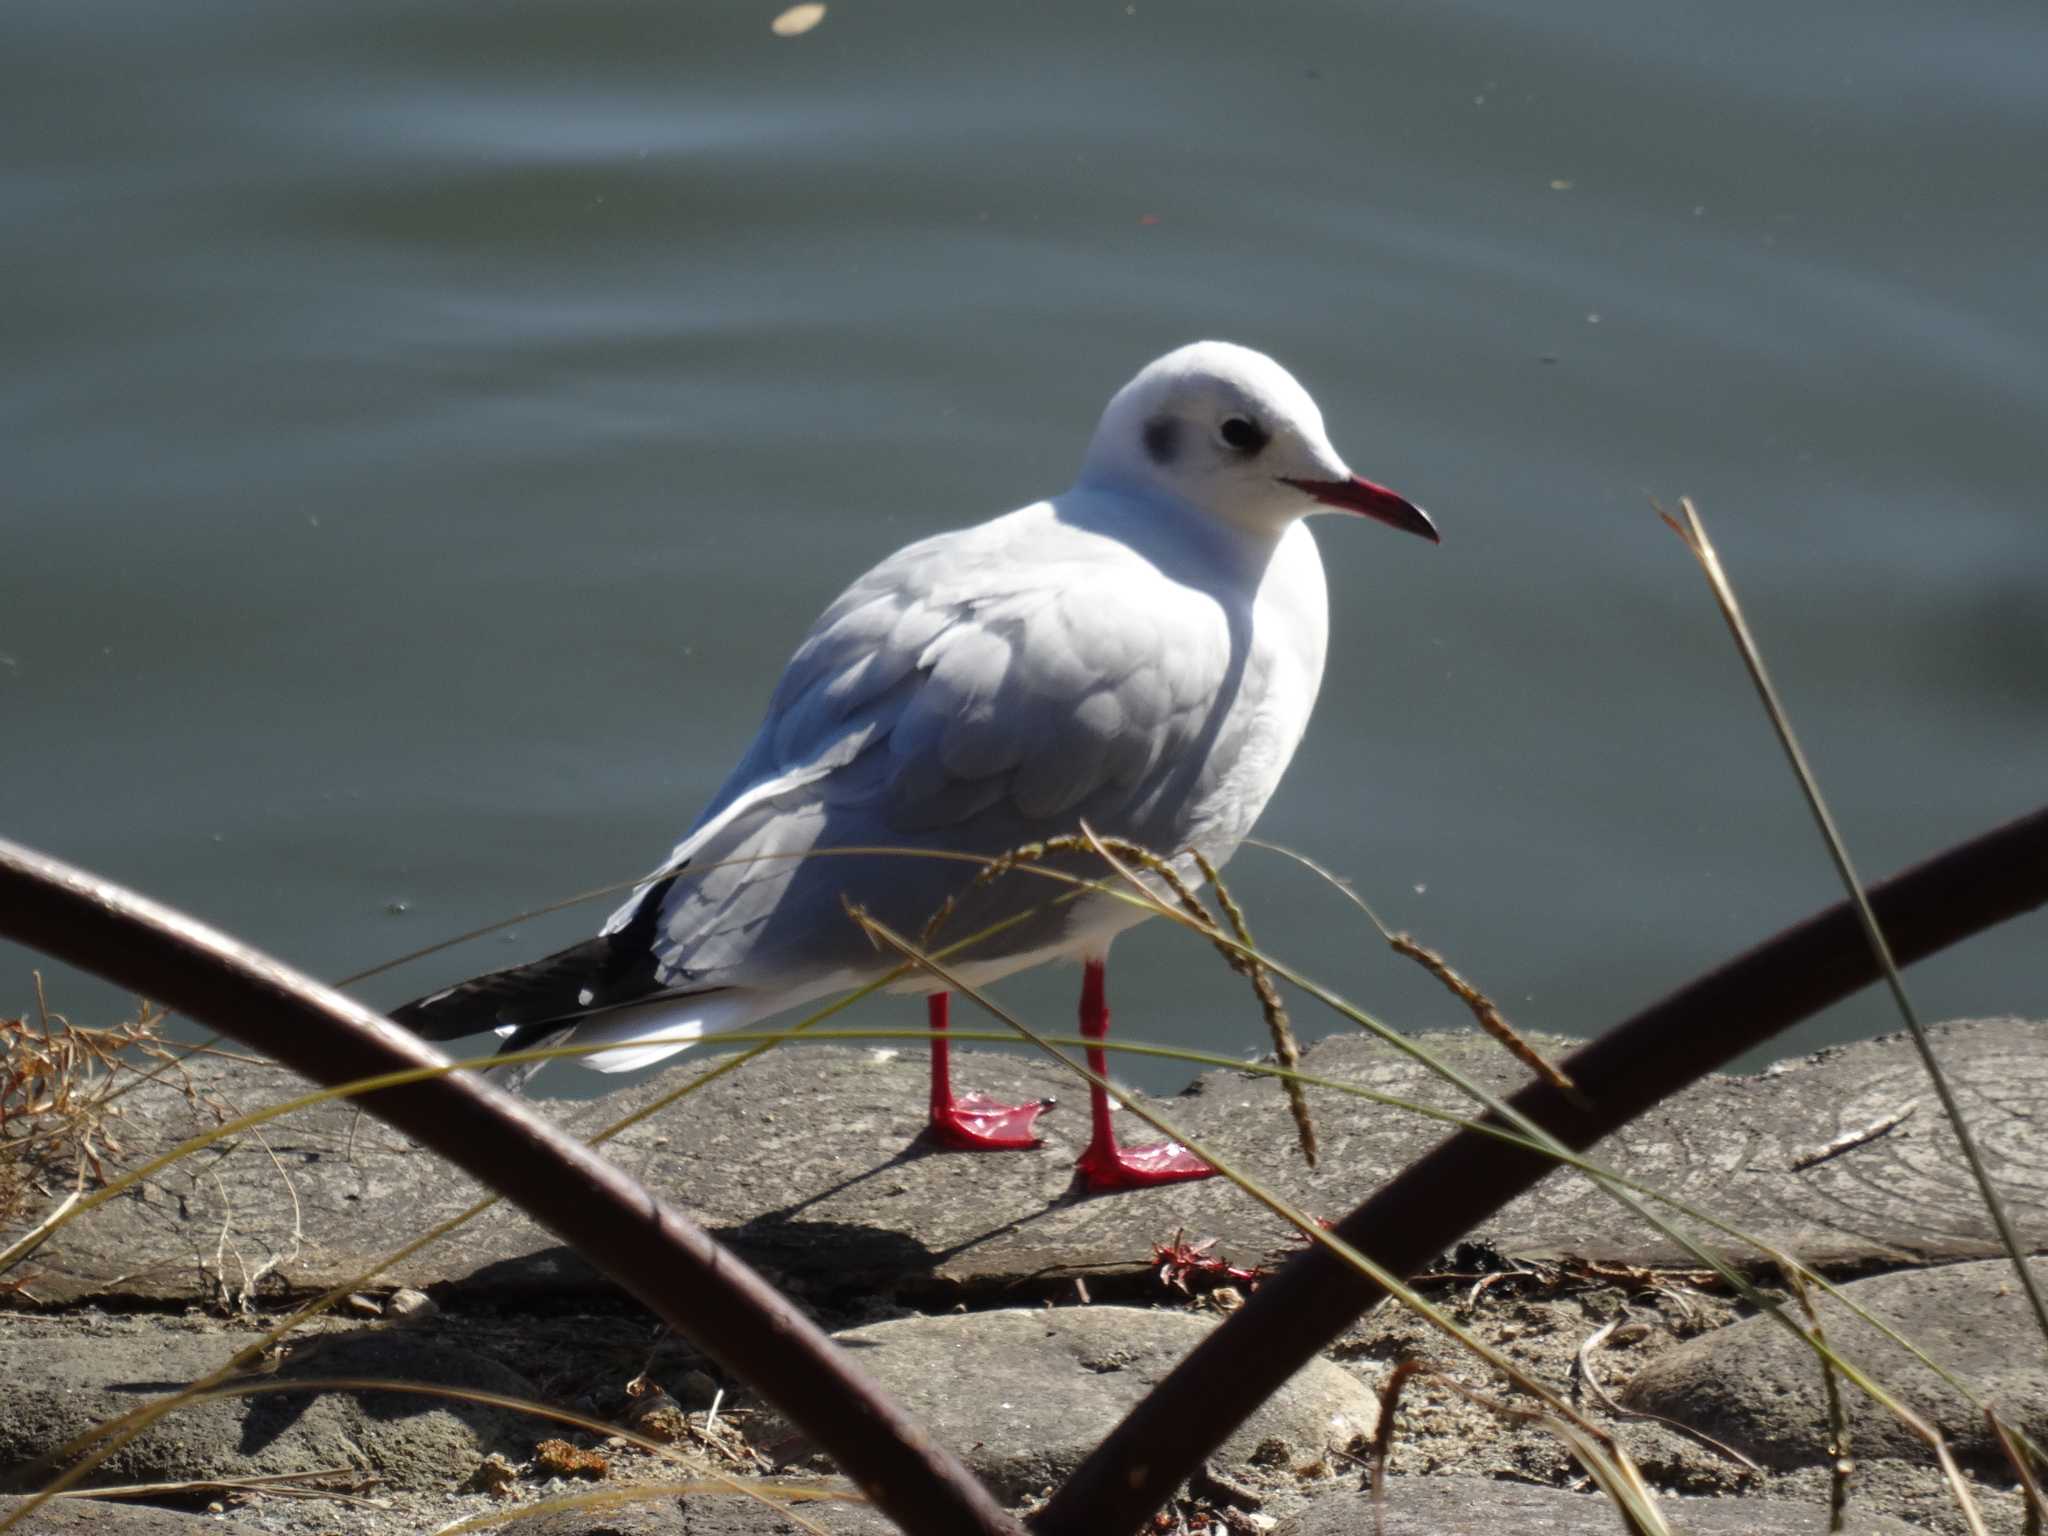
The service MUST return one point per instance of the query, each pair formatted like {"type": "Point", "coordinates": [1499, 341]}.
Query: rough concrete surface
{"type": "Point", "coordinates": [851, 1202]}
{"type": "Point", "coordinates": [105, 1517]}
{"type": "Point", "coordinates": [871, 1231]}
{"type": "Point", "coordinates": [707, 1515]}
{"type": "Point", "coordinates": [407, 1439]}
{"type": "Point", "coordinates": [1030, 1391]}
{"type": "Point", "coordinates": [1752, 1385]}
{"type": "Point", "coordinates": [1470, 1506]}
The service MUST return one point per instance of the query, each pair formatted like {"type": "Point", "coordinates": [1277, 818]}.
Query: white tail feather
{"type": "Point", "coordinates": [653, 1032]}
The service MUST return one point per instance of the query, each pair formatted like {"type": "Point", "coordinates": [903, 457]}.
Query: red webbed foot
{"type": "Point", "coordinates": [974, 1122]}
{"type": "Point", "coordinates": [1114, 1167]}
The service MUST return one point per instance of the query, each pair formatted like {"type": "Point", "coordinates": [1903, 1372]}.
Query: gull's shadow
{"type": "Point", "coordinates": [807, 1256]}
{"type": "Point", "coordinates": [868, 1254]}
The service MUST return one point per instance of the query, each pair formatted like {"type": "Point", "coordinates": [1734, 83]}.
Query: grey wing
{"type": "Point", "coordinates": [940, 709]}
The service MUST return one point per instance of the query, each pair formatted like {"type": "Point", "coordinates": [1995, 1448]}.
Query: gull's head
{"type": "Point", "coordinates": [1228, 430]}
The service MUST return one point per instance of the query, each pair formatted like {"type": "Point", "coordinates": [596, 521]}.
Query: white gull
{"type": "Point", "coordinates": [1141, 652]}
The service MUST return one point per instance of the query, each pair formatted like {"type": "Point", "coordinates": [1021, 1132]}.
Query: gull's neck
{"type": "Point", "coordinates": [1173, 534]}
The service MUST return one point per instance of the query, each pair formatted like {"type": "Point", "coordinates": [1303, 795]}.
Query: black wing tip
{"type": "Point", "coordinates": [599, 973]}
{"type": "Point", "coordinates": [563, 984]}
{"type": "Point", "coordinates": [447, 1015]}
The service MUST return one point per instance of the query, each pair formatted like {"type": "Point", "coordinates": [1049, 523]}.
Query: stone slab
{"type": "Point", "coordinates": [1752, 1385]}
{"type": "Point", "coordinates": [1024, 1394]}
{"type": "Point", "coordinates": [79, 1380]}
{"type": "Point", "coordinates": [109, 1517]}
{"type": "Point", "coordinates": [808, 1164]}
{"type": "Point", "coordinates": [707, 1515]}
{"type": "Point", "coordinates": [1470, 1506]}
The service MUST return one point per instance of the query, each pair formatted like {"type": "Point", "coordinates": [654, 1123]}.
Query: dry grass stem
{"type": "Point", "coordinates": [243, 1298]}
{"type": "Point", "coordinates": [1383, 1436]}
{"type": "Point", "coordinates": [1616, 1472]}
{"type": "Point", "coordinates": [1959, 1490]}
{"type": "Point", "coordinates": [1582, 1370]}
{"type": "Point", "coordinates": [644, 1493]}
{"type": "Point", "coordinates": [1241, 957]}
{"type": "Point", "coordinates": [1115, 852]}
{"type": "Point", "coordinates": [1605, 1459]}
{"type": "Point", "coordinates": [1839, 1464]}
{"type": "Point", "coordinates": [2023, 1469]}
{"type": "Point", "coordinates": [1490, 1018]}
{"type": "Point", "coordinates": [105, 1439]}
{"type": "Point", "coordinates": [1694, 534]}
{"type": "Point", "coordinates": [1848, 1141]}
{"type": "Point", "coordinates": [33, 1239]}
{"type": "Point", "coordinates": [1624, 1190]}
{"type": "Point", "coordinates": [297, 1485]}
{"type": "Point", "coordinates": [58, 1081]}
{"type": "Point", "coordinates": [1285, 1046]}
{"type": "Point", "coordinates": [1484, 1009]}
{"type": "Point", "coordinates": [713, 1480]}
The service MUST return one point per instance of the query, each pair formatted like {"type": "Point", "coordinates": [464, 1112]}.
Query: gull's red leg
{"type": "Point", "coordinates": [973, 1122]}
{"type": "Point", "coordinates": [1105, 1165]}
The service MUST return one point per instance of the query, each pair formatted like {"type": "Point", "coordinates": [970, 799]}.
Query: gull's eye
{"type": "Point", "coordinates": [1242, 435]}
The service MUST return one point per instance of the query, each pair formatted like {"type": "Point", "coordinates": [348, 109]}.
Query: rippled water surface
{"type": "Point", "coordinates": [428, 427]}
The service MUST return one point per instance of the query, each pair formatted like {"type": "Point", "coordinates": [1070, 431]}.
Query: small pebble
{"type": "Point", "coordinates": [409, 1303]}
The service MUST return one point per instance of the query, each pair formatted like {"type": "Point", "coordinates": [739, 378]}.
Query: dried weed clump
{"type": "Point", "coordinates": [58, 1083]}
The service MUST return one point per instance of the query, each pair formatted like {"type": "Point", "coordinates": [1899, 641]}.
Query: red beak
{"type": "Point", "coordinates": [1356, 495]}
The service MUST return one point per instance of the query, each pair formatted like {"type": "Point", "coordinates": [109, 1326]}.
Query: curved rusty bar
{"type": "Point", "coordinates": [1469, 1176]}
{"type": "Point", "coordinates": [646, 1245]}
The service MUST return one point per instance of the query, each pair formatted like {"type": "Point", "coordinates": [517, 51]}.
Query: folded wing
{"type": "Point", "coordinates": [999, 705]}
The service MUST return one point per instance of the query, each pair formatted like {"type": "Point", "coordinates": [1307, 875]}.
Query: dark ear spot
{"type": "Point", "coordinates": [1162, 439]}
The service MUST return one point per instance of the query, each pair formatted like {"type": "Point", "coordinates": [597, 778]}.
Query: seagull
{"type": "Point", "coordinates": [1139, 654]}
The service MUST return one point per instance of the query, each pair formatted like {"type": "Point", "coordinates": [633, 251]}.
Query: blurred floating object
{"type": "Point", "coordinates": [797, 20]}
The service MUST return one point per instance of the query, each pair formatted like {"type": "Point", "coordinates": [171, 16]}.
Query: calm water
{"type": "Point", "coordinates": [428, 427]}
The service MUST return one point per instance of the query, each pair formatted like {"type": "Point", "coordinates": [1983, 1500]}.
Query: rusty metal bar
{"type": "Point", "coordinates": [650, 1248]}
{"type": "Point", "coordinates": [1469, 1176]}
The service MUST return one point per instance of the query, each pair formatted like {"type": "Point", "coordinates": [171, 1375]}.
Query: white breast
{"type": "Point", "coordinates": [1290, 631]}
